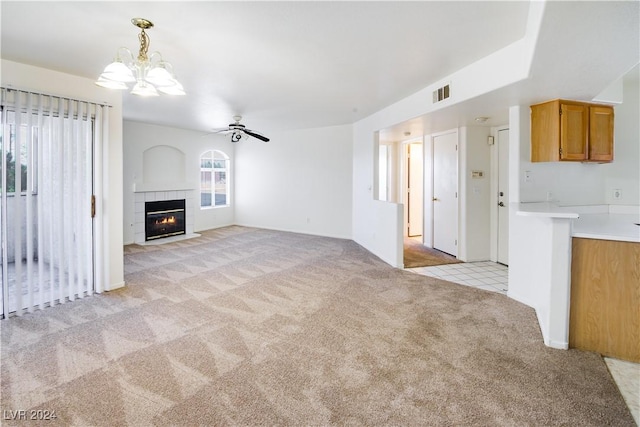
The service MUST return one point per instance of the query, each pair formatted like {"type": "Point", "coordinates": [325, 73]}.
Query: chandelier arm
{"type": "Point", "coordinates": [155, 58]}
{"type": "Point", "coordinates": [128, 59]}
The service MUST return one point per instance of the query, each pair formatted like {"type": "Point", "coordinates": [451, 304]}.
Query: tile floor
{"type": "Point", "coordinates": [485, 275]}
{"type": "Point", "coordinates": [627, 378]}
{"type": "Point", "coordinates": [493, 277]}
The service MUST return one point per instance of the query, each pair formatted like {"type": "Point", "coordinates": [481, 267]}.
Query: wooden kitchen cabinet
{"type": "Point", "coordinates": [563, 130]}
{"type": "Point", "coordinates": [605, 298]}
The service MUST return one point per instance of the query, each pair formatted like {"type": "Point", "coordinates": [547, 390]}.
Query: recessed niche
{"type": "Point", "coordinates": [163, 164]}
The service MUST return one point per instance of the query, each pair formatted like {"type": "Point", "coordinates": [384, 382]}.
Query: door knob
{"type": "Point", "coordinates": [435, 199]}
{"type": "Point", "coordinates": [501, 204]}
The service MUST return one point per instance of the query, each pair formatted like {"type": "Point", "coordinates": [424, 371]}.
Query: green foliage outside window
{"type": "Point", "coordinates": [11, 175]}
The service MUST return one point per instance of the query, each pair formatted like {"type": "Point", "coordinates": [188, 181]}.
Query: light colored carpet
{"type": "Point", "coordinates": [253, 327]}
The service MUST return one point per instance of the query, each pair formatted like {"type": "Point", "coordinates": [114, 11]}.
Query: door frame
{"type": "Point", "coordinates": [404, 183]}
{"type": "Point", "coordinates": [493, 199]}
{"type": "Point", "coordinates": [431, 184]}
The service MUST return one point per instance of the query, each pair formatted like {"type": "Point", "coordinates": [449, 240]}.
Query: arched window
{"type": "Point", "coordinates": [214, 179]}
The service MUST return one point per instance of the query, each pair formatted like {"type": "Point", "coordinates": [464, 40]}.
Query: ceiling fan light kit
{"type": "Point", "coordinates": [150, 72]}
{"type": "Point", "coordinates": [239, 131]}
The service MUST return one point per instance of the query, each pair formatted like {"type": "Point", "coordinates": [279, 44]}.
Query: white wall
{"type": "Point", "coordinates": [188, 146]}
{"type": "Point", "coordinates": [22, 76]}
{"type": "Point", "coordinates": [299, 181]}
{"type": "Point", "coordinates": [504, 67]}
{"type": "Point", "coordinates": [624, 172]}
{"type": "Point", "coordinates": [474, 207]}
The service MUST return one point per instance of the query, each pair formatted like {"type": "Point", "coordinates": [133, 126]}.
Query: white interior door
{"type": "Point", "coordinates": [503, 196]}
{"type": "Point", "coordinates": [415, 190]}
{"type": "Point", "coordinates": [445, 193]}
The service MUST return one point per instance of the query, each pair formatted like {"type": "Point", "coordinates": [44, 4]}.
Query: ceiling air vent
{"type": "Point", "coordinates": [441, 94]}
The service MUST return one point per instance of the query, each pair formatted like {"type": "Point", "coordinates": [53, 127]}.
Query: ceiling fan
{"type": "Point", "coordinates": [238, 131]}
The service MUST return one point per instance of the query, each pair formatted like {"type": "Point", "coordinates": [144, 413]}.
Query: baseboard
{"type": "Point", "coordinates": [290, 230]}
{"type": "Point", "coordinates": [558, 345]}
{"type": "Point", "coordinates": [521, 299]}
{"type": "Point", "coordinates": [115, 286]}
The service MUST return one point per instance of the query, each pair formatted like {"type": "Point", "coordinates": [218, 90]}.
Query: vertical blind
{"type": "Point", "coordinates": [46, 225]}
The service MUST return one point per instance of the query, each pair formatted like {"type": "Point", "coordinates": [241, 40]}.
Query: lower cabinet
{"type": "Point", "coordinates": [605, 298]}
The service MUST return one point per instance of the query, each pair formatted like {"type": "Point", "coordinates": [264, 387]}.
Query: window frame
{"type": "Point", "coordinates": [212, 168]}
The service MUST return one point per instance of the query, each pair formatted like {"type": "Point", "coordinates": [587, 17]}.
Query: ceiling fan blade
{"type": "Point", "coordinates": [256, 135]}
{"type": "Point", "coordinates": [217, 131]}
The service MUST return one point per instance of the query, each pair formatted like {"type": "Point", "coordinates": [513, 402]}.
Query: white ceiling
{"type": "Point", "coordinates": [303, 64]}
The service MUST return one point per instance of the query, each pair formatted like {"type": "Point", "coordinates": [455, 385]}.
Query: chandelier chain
{"type": "Point", "coordinates": [144, 46]}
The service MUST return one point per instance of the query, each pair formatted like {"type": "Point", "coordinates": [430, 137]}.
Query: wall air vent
{"type": "Point", "coordinates": [441, 94]}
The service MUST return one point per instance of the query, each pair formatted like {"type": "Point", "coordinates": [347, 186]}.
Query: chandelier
{"type": "Point", "coordinates": [149, 72]}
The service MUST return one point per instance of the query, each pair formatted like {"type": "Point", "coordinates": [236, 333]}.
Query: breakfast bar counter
{"type": "Point", "coordinates": [607, 242]}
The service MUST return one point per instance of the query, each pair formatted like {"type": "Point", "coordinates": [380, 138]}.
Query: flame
{"type": "Point", "coordinates": [167, 220]}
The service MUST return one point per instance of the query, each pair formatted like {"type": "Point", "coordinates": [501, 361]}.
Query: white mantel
{"type": "Point", "coordinates": [146, 187]}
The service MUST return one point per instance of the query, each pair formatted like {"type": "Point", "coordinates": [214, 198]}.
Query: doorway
{"type": "Point", "coordinates": [414, 189]}
{"type": "Point", "coordinates": [445, 192]}
{"type": "Point", "coordinates": [47, 209]}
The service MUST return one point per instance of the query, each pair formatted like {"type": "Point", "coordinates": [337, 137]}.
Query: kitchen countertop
{"type": "Point", "coordinates": [546, 210]}
{"type": "Point", "coordinates": [605, 226]}
{"type": "Point", "coordinates": [620, 227]}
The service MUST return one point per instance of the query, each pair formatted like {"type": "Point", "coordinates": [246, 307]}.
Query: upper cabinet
{"type": "Point", "coordinates": [564, 130]}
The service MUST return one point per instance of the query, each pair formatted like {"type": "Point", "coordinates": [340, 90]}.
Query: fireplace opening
{"type": "Point", "coordinates": [164, 218]}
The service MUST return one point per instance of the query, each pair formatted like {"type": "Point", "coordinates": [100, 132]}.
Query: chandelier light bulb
{"type": "Point", "coordinates": [118, 72]}
{"type": "Point", "coordinates": [173, 89]}
{"type": "Point", "coordinates": [149, 71]}
{"type": "Point", "coordinates": [143, 89]}
{"type": "Point", "coordinates": [110, 84]}
{"type": "Point", "coordinates": [159, 76]}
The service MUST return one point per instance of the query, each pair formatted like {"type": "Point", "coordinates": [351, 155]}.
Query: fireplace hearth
{"type": "Point", "coordinates": [164, 218]}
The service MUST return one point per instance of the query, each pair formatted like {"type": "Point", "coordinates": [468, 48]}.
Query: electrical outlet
{"type": "Point", "coordinates": [549, 196]}
{"type": "Point", "coordinates": [527, 176]}
{"type": "Point", "coordinates": [617, 194]}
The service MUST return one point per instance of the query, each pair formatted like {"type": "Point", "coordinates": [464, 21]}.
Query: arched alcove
{"type": "Point", "coordinates": [163, 164]}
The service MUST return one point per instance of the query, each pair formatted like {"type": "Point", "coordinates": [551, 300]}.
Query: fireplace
{"type": "Point", "coordinates": [164, 218]}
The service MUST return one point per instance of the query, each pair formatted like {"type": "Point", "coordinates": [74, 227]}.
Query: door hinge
{"type": "Point", "coordinates": [560, 110]}
{"type": "Point", "coordinates": [456, 242]}
{"type": "Point", "coordinates": [93, 206]}
{"type": "Point", "coordinates": [560, 151]}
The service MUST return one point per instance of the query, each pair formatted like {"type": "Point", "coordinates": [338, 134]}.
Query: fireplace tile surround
{"type": "Point", "coordinates": [151, 196]}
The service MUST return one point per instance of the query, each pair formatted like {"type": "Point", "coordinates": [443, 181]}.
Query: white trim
{"type": "Point", "coordinates": [493, 196]}
{"type": "Point", "coordinates": [173, 186]}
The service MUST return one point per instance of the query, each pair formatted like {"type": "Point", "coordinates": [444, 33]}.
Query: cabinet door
{"type": "Point", "coordinates": [601, 133]}
{"type": "Point", "coordinates": [605, 296]}
{"type": "Point", "coordinates": [574, 128]}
